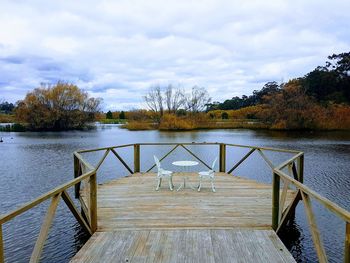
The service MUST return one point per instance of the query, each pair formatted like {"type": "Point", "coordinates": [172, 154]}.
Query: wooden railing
{"type": "Point", "coordinates": [55, 195]}
{"type": "Point", "coordinates": [85, 181]}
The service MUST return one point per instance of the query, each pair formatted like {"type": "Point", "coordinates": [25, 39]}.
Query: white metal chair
{"type": "Point", "coordinates": [207, 175]}
{"type": "Point", "coordinates": [163, 173]}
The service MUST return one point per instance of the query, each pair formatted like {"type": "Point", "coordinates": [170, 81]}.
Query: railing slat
{"type": "Point", "coordinates": [275, 200]}
{"type": "Point", "coordinates": [195, 156]}
{"type": "Point", "coordinates": [93, 202]}
{"type": "Point", "coordinates": [2, 250]}
{"type": "Point", "coordinates": [339, 211]}
{"type": "Point", "coordinates": [347, 243]}
{"type": "Point", "coordinates": [300, 162]}
{"type": "Point", "coordinates": [122, 161]}
{"type": "Point", "coordinates": [222, 159]}
{"type": "Point", "coordinates": [289, 211]}
{"type": "Point", "coordinates": [161, 159]}
{"type": "Point", "coordinates": [267, 160]}
{"type": "Point", "coordinates": [241, 161]}
{"type": "Point", "coordinates": [75, 212]}
{"type": "Point", "coordinates": [321, 253]}
{"type": "Point", "coordinates": [45, 227]}
{"type": "Point", "coordinates": [42, 198]}
{"type": "Point", "coordinates": [283, 198]}
{"type": "Point", "coordinates": [102, 159]}
{"type": "Point", "coordinates": [77, 173]}
{"type": "Point", "coordinates": [136, 158]}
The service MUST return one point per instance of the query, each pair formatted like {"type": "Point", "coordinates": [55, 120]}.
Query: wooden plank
{"type": "Point", "coordinates": [104, 148]}
{"type": "Point", "coordinates": [316, 237]}
{"type": "Point", "coordinates": [75, 212]}
{"type": "Point", "coordinates": [136, 158]}
{"type": "Point", "coordinates": [45, 227]}
{"type": "Point", "coordinates": [267, 160]}
{"type": "Point", "coordinates": [93, 202]}
{"type": "Point", "coordinates": [42, 198]}
{"type": "Point", "coordinates": [241, 161]}
{"type": "Point", "coordinates": [77, 173]}
{"type": "Point", "coordinates": [300, 162]}
{"type": "Point", "coordinates": [161, 159]}
{"type": "Point", "coordinates": [339, 211]}
{"type": "Point", "coordinates": [347, 243]}
{"type": "Point", "coordinates": [102, 159]}
{"type": "Point", "coordinates": [275, 200]}
{"type": "Point", "coordinates": [132, 203]}
{"type": "Point", "coordinates": [222, 159]}
{"type": "Point", "coordinates": [2, 251]}
{"type": "Point", "coordinates": [284, 164]}
{"type": "Point", "coordinates": [184, 245]}
{"type": "Point", "coordinates": [288, 212]}
{"type": "Point", "coordinates": [195, 156]}
{"type": "Point", "coordinates": [122, 161]}
{"type": "Point", "coordinates": [283, 199]}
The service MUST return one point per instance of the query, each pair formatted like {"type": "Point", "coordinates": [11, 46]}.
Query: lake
{"type": "Point", "coordinates": [32, 163]}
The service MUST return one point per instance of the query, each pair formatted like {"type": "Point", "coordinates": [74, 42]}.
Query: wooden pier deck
{"type": "Point", "coordinates": [138, 224]}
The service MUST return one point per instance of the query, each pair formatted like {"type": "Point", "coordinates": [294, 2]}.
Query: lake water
{"type": "Point", "coordinates": [33, 163]}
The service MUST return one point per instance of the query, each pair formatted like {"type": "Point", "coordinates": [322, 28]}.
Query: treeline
{"type": "Point", "coordinates": [319, 100]}
{"type": "Point", "coordinates": [325, 84]}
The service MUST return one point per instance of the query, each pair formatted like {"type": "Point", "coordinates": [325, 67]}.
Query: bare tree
{"type": "Point", "coordinates": [154, 100]}
{"type": "Point", "coordinates": [197, 100]}
{"type": "Point", "coordinates": [174, 98]}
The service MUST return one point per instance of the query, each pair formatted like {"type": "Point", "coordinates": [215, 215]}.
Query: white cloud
{"type": "Point", "coordinates": [116, 49]}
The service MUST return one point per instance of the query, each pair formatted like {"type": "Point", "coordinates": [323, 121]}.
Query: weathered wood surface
{"type": "Point", "coordinates": [133, 203]}
{"type": "Point", "coordinates": [181, 245]}
{"type": "Point", "coordinates": [138, 224]}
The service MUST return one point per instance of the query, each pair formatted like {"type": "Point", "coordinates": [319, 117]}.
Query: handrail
{"type": "Point", "coordinates": [279, 217]}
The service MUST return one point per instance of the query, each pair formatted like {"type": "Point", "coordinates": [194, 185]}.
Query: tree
{"type": "Point", "coordinates": [109, 115]}
{"type": "Point", "coordinates": [290, 108]}
{"type": "Point", "coordinates": [224, 115]}
{"type": "Point", "coordinates": [198, 100]}
{"type": "Point", "coordinates": [62, 106]}
{"type": "Point", "coordinates": [154, 100]}
{"type": "Point", "coordinates": [6, 107]}
{"type": "Point", "coordinates": [122, 115]}
{"type": "Point", "coordinates": [174, 98]}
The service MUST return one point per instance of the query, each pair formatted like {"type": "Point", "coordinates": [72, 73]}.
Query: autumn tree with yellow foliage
{"type": "Point", "coordinates": [62, 106]}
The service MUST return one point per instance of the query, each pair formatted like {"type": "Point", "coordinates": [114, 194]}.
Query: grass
{"type": "Point", "coordinates": [112, 121]}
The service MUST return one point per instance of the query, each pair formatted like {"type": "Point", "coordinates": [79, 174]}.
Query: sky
{"type": "Point", "coordinates": [118, 49]}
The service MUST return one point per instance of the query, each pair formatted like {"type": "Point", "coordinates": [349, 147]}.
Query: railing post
{"type": "Point", "coordinates": [136, 158]}
{"type": "Point", "coordinates": [222, 157]}
{"type": "Point", "coordinates": [300, 162]}
{"type": "Point", "coordinates": [275, 200]}
{"type": "Point", "coordinates": [93, 202]}
{"type": "Point", "coordinates": [76, 174]}
{"type": "Point", "coordinates": [347, 243]}
{"type": "Point", "coordinates": [2, 253]}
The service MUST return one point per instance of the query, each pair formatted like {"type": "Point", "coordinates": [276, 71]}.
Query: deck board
{"type": "Point", "coordinates": [132, 203]}
{"type": "Point", "coordinates": [179, 245]}
{"type": "Point", "coordinates": [138, 224]}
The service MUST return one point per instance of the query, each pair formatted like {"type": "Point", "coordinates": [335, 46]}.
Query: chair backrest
{"type": "Point", "coordinates": [214, 162]}
{"type": "Point", "coordinates": [156, 160]}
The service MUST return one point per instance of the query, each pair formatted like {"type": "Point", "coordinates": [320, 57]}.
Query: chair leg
{"type": "Point", "coordinates": [212, 186]}
{"type": "Point", "coordinates": [159, 183]}
{"type": "Point", "coordinates": [200, 184]}
{"type": "Point", "coordinates": [171, 183]}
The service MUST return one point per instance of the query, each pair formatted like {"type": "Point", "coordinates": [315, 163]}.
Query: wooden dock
{"type": "Point", "coordinates": [138, 224]}
{"type": "Point", "coordinates": [128, 221]}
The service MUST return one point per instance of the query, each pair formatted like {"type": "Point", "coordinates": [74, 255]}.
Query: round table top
{"type": "Point", "coordinates": [185, 163]}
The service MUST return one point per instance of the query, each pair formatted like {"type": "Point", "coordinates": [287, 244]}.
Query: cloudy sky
{"type": "Point", "coordinates": [118, 49]}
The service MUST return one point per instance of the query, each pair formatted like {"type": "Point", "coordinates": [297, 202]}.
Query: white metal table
{"type": "Point", "coordinates": [185, 165]}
